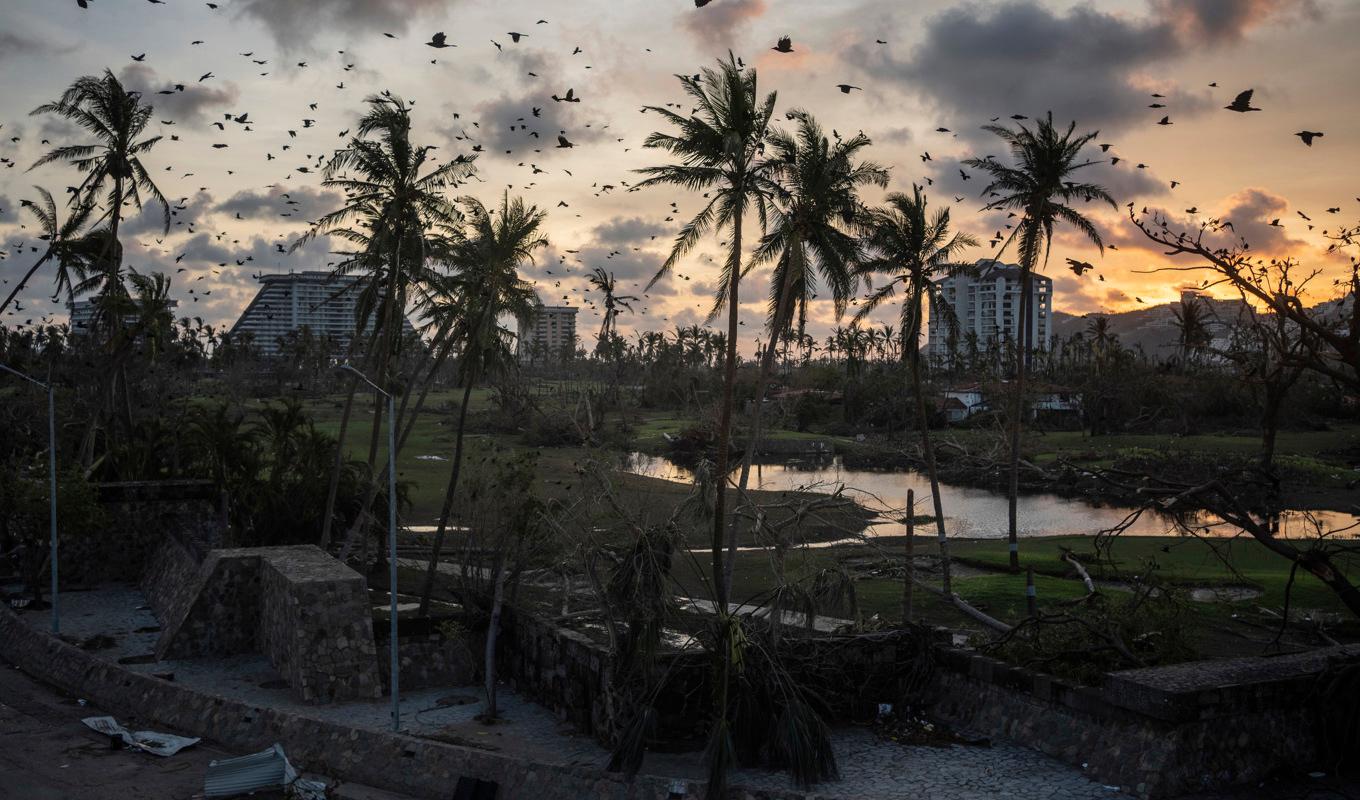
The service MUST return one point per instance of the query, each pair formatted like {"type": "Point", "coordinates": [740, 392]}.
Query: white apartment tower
{"type": "Point", "coordinates": [321, 301]}
{"type": "Point", "coordinates": [987, 304]}
{"type": "Point", "coordinates": [547, 335]}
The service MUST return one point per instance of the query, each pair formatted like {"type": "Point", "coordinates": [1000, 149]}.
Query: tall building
{"type": "Point", "coordinates": [82, 315]}
{"type": "Point", "coordinates": [321, 301]}
{"type": "Point", "coordinates": [547, 335]}
{"type": "Point", "coordinates": [987, 304]}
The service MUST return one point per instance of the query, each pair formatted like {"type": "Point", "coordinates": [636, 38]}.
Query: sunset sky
{"type": "Point", "coordinates": [944, 64]}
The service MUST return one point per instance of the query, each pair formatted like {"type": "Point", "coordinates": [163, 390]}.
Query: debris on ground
{"type": "Point", "coordinates": [268, 769]}
{"type": "Point", "coordinates": [909, 727]}
{"type": "Point", "coordinates": [160, 744]}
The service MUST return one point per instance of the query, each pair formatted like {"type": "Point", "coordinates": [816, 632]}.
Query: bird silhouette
{"type": "Point", "coordinates": [1242, 103]}
{"type": "Point", "coordinates": [845, 88]}
{"type": "Point", "coordinates": [1309, 136]}
{"type": "Point", "coordinates": [785, 45]}
{"type": "Point", "coordinates": [438, 41]}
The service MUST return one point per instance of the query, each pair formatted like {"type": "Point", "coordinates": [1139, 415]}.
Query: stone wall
{"type": "Point", "coordinates": [1157, 732]}
{"type": "Point", "coordinates": [572, 674]}
{"type": "Point", "coordinates": [415, 766]}
{"type": "Point", "coordinates": [139, 516]}
{"type": "Point", "coordinates": [430, 660]}
{"type": "Point", "coordinates": [297, 605]}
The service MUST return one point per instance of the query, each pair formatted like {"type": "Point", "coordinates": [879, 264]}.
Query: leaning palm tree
{"type": "Point", "coordinates": [912, 249]}
{"type": "Point", "coordinates": [114, 172]}
{"type": "Point", "coordinates": [394, 215]}
{"type": "Point", "coordinates": [1040, 187]}
{"type": "Point", "coordinates": [718, 148]}
{"type": "Point", "coordinates": [484, 287]}
{"type": "Point", "coordinates": [814, 186]}
{"type": "Point", "coordinates": [67, 246]}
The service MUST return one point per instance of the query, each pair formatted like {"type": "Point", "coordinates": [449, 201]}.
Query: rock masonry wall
{"type": "Point", "coordinates": [303, 609]}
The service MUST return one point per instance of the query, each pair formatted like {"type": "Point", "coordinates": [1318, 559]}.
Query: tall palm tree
{"type": "Point", "coordinates": [484, 287]}
{"type": "Point", "coordinates": [1192, 328]}
{"type": "Point", "coordinates": [114, 172]}
{"type": "Point", "coordinates": [717, 147]}
{"type": "Point", "coordinates": [393, 217]}
{"type": "Point", "coordinates": [912, 249]}
{"type": "Point", "coordinates": [1041, 188]}
{"type": "Point", "coordinates": [814, 187]}
{"type": "Point", "coordinates": [605, 283]}
{"type": "Point", "coordinates": [72, 250]}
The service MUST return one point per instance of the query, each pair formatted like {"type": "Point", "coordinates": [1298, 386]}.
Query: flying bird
{"type": "Point", "coordinates": [438, 41]}
{"type": "Point", "coordinates": [1165, 121]}
{"type": "Point", "coordinates": [845, 88]}
{"type": "Point", "coordinates": [1242, 103]}
{"type": "Point", "coordinates": [1308, 136]}
{"type": "Point", "coordinates": [785, 45]}
{"type": "Point", "coordinates": [1079, 267]}
{"type": "Point", "coordinates": [569, 97]}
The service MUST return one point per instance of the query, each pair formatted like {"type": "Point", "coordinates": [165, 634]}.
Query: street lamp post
{"type": "Point", "coordinates": [391, 536]}
{"type": "Point", "coordinates": [52, 483]}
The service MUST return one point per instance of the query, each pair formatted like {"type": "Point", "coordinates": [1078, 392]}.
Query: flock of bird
{"type": "Point", "coordinates": [571, 268]}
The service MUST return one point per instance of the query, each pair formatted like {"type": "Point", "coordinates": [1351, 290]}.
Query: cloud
{"type": "Point", "coordinates": [1220, 21]}
{"type": "Point", "coordinates": [718, 25]}
{"type": "Point", "coordinates": [976, 62]}
{"type": "Point", "coordinates": [188, 107]}
{"type": "Point", "coordinates": [508, 123]}
{"type": "Point", "coordinates": [13, 44]}
{"type": "Point", "coordinates": [627, 230]}
{"type": "Point", "coordinates": [299, 203]}
{"type": "Point", "coordinates": [9, 211]}
{"type": "Point", "coordinates": [297, 22]}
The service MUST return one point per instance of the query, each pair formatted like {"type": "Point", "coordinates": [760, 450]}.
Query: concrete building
{"type": "Point", "coordinates": [321, 301]}
{"type": "Point", "coordinates": [82, 315]}
{"type": "Point", "coordinates": [987, 304]}
{"type": "Point", "coordinates": [547, 335]}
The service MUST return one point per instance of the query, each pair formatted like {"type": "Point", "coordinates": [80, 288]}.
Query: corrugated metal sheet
{"type": "Point", "coordinates": [233, 776]}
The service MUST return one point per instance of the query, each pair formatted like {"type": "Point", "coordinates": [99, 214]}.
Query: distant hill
{"type": "Point", "coordinates": [1154, 328]}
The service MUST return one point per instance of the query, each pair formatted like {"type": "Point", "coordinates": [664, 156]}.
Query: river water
{"type": "Point", "coordinates": [969, 512]}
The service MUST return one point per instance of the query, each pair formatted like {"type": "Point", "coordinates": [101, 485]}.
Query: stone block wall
{"type": "Point", "coordinates": [1156, 732]}
{"type": "Point", "coordinates": [429, 660]}
{"type": "Point", "coordinates": [397, 762]}
{"type": "Point", "coordinates": [297, 605]}
{"type": "Point", "coordinates": [316, 626]}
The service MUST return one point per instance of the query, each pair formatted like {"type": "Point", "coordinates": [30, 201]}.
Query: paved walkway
{"type": "Point", "coordinates": [871, 769]}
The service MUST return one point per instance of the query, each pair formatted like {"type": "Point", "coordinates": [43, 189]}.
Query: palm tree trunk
{"type": "Point", "coordinates": [334, 489]}
{"type": "Point", "coordinates": [725, 422]}
{"type": "Point", "coordinates": [22, 282]}
{"type": "Point", "coordinates": [493, 629]}
{"type": "Point", "coordinates": [444, 512]}
{"type": "Point", "coordinates": [767, 360]}
{"type": "Point", "coordinates": [932, 471]}
{"type": "Point", "coordinates": [1017, 414]}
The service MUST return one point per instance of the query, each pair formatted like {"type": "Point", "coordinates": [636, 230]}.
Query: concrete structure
{"type": "Point", "coordinates": [547, 335]}
{"type": "Point", "coordinates": [318, 300]}
{"type": "Point", "coordinates": [987, 304]}
{"type": "Point", "coordinates": [82, 315]}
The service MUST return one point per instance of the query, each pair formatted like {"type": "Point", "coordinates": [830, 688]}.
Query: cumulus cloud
{"type": "Point", "coordinates": [1219, 21]}
{"type": "Point", "coordinates": [508, 123]}
{"type": "Point", "coordinates": [8, 210]}
{"type": "Point", "coordinates": [717, 26]}
{"type": "Point", "coordinates": [627, 230]}
{"type": "Point", "coordinates": [978, 62]}
{"type": "Point", "coordinates": [196, 105]}
{"type": "Point", "coordinates": [299, 203]}
{"type": "Point", "coordinates": [297, 22]}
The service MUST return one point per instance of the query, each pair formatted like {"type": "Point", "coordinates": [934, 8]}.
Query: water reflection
{"type": "Point", "coordinates": [969, 511]}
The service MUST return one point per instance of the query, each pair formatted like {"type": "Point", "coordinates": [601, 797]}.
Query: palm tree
{"type": "Point", "coordinates": [395, 217]}
{"type": "Point", "coordinates": [112, 167]}
{"type": "Point", "coordinates": [70, 249]}
{"type": "Point", "coordinates": [1192, 328]}
{"type": "Point", "coordinates": [1040, 187]}
{"type": "Point", "coordinates": [717, 147]}
{"type": "Point", "coordinates": [605, 283]}
{"type": "Point", "coordinates": [814, 186]}
{"type": "Point", "coordinates": [485, 286]}
{"type": "Point", "coordinates": [913, 249]}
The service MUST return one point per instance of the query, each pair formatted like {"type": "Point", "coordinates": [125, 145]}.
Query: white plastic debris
{"type": "Point", "coordinates": [268, 769]}
{"type": "Point", "coordinates": [160, 744]}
